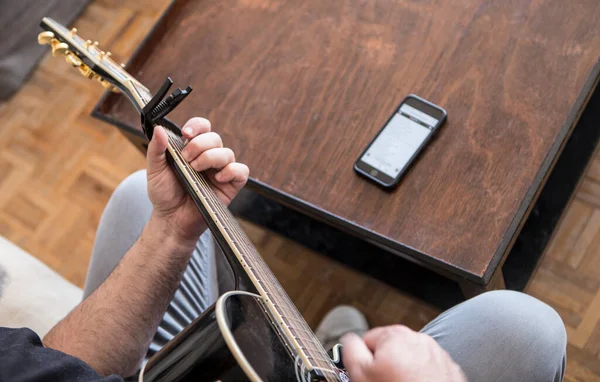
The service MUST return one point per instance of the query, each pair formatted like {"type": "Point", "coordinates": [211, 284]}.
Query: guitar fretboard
{"type": "Point", "coordinates": [291, 322]}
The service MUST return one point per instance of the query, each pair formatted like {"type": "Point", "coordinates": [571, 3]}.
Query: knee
{"type": "Point", "coordinates": [524, 318]}
{"type": "Point", "coordinates": [504, 336]}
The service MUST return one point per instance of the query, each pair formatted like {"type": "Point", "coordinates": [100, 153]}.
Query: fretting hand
{"type": "Point", "coordinates": [397, 353]}
{"type": "Point", "coordinates": [205, 152]}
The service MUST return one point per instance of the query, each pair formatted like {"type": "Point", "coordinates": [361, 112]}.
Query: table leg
{"type": "Point", "coordinates": [470, 289]}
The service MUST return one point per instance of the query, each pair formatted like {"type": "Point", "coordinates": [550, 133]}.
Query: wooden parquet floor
{"type": "Point", "coordinates": [58, 167]}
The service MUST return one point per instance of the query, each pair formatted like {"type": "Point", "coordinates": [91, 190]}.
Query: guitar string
{"type": "Point", "coordinates": [233, 227]}
{"type": "Point", "coordinates": [304, 344]}
{"type": "Point", "coordinates": [242, 241]}
{"type": "Point", "coordinates": [225, 216]}
{"type": "Point", "coordinates": [323, 362]}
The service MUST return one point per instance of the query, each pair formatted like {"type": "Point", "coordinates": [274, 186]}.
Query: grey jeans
{"type": "Point", "coordinates": [497, 336]}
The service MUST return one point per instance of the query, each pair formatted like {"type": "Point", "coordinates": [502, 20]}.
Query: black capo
{"type": "Point", "coordinates": [155, 111]}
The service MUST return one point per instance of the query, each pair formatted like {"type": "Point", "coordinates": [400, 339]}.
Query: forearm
{"type": "Point", "coordinates": [112, 329]}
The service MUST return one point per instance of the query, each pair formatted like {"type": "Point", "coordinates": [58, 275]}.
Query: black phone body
{"type": "Point", "coordinates": [400, 141]}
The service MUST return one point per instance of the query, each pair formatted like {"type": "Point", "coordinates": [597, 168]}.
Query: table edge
{"type": "Point", "coordinates": [541, 177]}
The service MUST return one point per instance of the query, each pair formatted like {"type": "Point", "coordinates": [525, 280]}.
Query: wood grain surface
{"type": "Point", "coordinates": [299, 88]}
{"type": "Point", "coordinates": [58, 168]}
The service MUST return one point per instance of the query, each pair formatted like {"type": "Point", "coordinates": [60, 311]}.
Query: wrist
{"type": "Point", "coordinates": [160, 233]}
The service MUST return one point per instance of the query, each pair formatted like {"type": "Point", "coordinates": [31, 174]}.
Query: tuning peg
{"type": "Point", "coordinates": [123, 66]}
{"type": "Point", "coordinates": [45, 37]}
{"type": "Point", "coordinates": [73, 32]}
{"type": "Point", "coordinates": [106, 84]}
{"type": "Point", "coordinates": [60, 48]}
{"type": "Point", "coordinates": [86, 71]}
{"type": "Point", "coordinates": [74, 60]}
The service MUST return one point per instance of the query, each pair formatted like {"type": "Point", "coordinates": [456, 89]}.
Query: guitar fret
{"type": "Point", "coordinates": [290, 318]}
{"type": "Point", "coordinates": [307, 348]}
{"type": "Point", "coordinates": [328, 360]}
{"type": "Point", "coordinates": [294, 329]}
{"type": "Point", "coordinates": [304, 330]}
{"type": "Point", "coordinates": [302, 340]}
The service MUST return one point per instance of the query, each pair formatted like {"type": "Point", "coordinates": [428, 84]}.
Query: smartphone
{"type": "Point", "coordinates": [403, 137]}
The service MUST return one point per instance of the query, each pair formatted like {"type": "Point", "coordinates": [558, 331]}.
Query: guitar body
{"type": "Point", "coordinates": [234, 340]}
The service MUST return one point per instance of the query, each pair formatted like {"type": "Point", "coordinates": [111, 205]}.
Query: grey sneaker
{"type": "Point", "coordinates": [338, 321]}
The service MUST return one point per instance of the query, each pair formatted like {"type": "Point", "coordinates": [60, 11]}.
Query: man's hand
{"type": "Point", "coordinates": [396, 353]}
{"type": "Point", "coordinates": [112, 328]}
{"type": "Point", "coordinates": [204, 151]}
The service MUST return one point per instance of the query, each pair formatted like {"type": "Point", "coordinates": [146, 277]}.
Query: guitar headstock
{"type": "Point", "coordinates": [92, 62]}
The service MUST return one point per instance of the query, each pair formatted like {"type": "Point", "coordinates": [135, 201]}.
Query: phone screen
{"type": "Point", "coordinates": [399, 140]}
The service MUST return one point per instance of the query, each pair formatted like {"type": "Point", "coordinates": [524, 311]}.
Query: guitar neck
{"type": "Point", "coordinates": [93, 63]}
{"type": "Point", "coordinates": [226, 228]}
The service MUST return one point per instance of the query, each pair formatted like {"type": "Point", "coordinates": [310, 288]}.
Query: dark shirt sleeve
{"type": "Point", "coordinates": [24, 358]}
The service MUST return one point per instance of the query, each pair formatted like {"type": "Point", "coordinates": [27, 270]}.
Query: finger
{"type": "Point", "coordinates": [200, 144]}
{"type": "Point", "coordinates": [213, 158]}
{"type": "Point", "coordinates": [374, 338]}
{"type": "Point", "coordinates": [155, 156]}
{"type": "Point", "coordinates": [236, 173]}
{"type": "Point", "coordinates": [195, 126]}
{"type": "Point", "coordinates": [356, 356]}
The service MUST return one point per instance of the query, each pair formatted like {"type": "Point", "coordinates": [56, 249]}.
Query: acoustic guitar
{"type": "Point", "coordinates": [253, 332]}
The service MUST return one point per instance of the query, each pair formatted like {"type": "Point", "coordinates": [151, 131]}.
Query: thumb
{"type": "Point", "coordinates": [155, 157]}
{"type": "Point", "coordinates": [356, 356]}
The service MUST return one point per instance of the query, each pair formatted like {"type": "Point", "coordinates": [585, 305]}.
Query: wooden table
{"type": "Point", "coordinates": [299, 88]}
